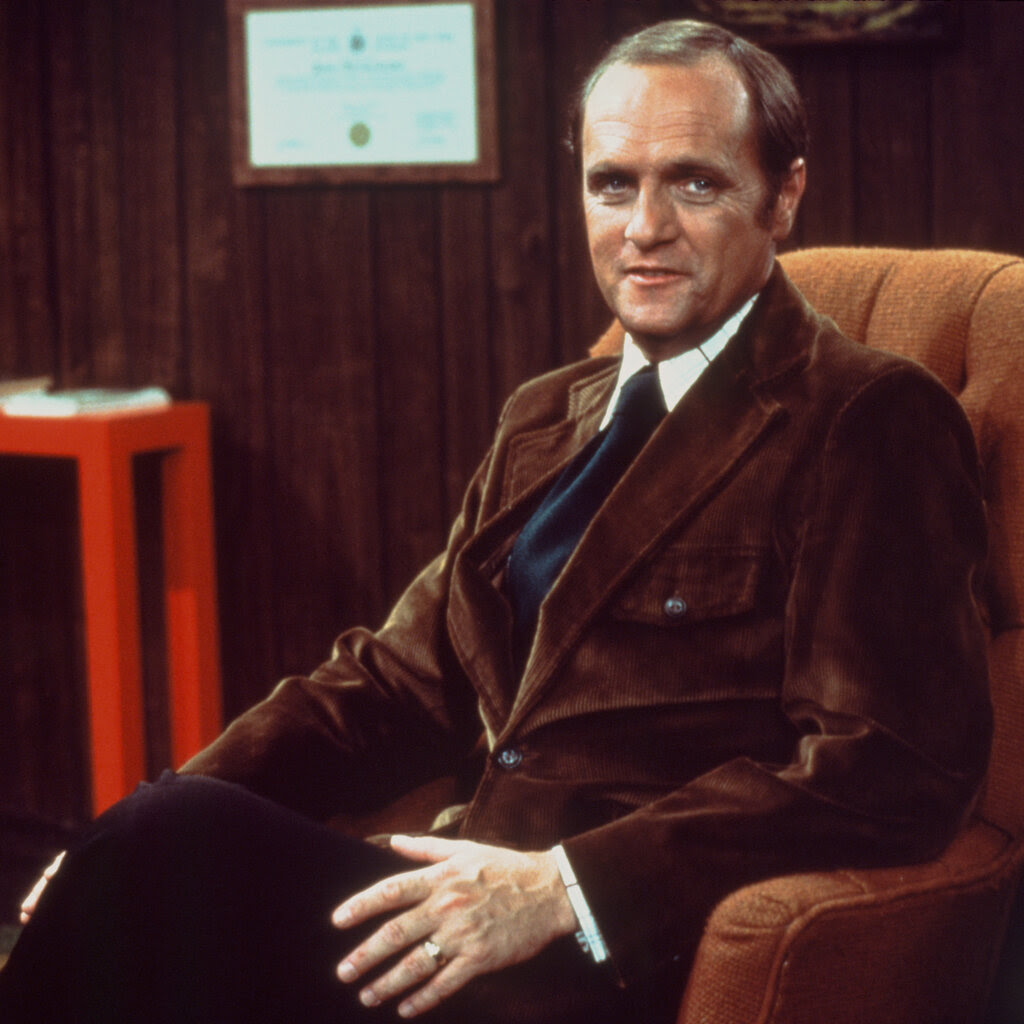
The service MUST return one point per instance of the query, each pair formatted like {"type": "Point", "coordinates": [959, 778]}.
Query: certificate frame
{"type": "Point", "coordinates": [325, 154]}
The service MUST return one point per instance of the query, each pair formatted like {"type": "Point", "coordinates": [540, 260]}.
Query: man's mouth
{"type": "Point", "coordinates": [652, 275]}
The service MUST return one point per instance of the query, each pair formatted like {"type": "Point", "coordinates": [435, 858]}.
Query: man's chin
{"type": "Point", "coordinates": [662, 342]}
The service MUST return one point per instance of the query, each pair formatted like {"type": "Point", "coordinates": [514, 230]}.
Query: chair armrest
{"type": "Point", "coordinates": [902, 945]}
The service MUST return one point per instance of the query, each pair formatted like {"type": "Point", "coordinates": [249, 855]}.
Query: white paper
{"type": "Point", "coordinates": [390, 84]}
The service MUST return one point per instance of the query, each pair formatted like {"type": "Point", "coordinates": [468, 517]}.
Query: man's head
{"type": "Point", "coordinates": [691, 144]}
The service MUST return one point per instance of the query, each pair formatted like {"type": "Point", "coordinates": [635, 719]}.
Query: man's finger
{"type": "Point", "coordinates": [391, 938]}
{"type": "Point", "coordinates": [392, 893]}
{"type": "Point", "coordinates": [31, 901]}
{"type": "Point", "coordinates": [416, 967]}
{"type": "Point", "coordinates": [441, 986]}
{"type": "Point", "coordinates": [28, 905]}
{"type": "Point", "coordinates": [426, 848]}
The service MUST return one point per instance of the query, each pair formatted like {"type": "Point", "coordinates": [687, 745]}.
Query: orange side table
{"type": "Point", "coordinates": [103, 444]}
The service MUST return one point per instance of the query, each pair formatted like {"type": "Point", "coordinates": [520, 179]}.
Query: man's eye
{"type": "Point", "coordinates": [610, 186]}
{"type": "Point", "coordinates": [699, 189]}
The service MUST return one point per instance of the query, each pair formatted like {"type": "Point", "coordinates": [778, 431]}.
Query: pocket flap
{"type": "Point", "coordinates": [691, 584]}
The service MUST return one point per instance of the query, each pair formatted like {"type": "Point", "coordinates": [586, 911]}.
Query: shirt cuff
{"type": "Point", "coordinates": [589, 936]}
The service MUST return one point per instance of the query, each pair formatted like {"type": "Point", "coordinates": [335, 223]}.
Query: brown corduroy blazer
{"type": "Point", "coordinates": [746, 668]}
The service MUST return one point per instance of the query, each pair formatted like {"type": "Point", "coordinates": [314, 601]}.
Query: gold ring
{"type": "Point", "coordinates": [435, 953]}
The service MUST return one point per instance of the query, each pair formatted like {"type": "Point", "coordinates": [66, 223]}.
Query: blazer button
{"type": "Point", "coordinates": [675, 607]}
{"type": "Point", "coordinates": [510, 758]}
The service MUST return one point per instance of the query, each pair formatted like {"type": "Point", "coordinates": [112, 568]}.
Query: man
{"type": "Point", "coordinates": [744, 667]}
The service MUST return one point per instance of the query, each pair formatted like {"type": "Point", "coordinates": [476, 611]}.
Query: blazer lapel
{"type": "Point", "coordinates": [479, 618]}
{"type": "Point", "coordinates": [537, 456]}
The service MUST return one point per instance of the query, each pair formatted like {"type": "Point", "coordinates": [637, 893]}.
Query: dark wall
{"type": "Point", "coordinates": [356, 343]}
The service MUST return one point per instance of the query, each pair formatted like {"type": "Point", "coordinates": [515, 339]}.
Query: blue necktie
{"type": "Point", "coordinates": [551, 534]}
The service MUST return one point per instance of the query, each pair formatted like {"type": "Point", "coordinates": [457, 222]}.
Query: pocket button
{"type": "Point", "coordinates": [510, 759]}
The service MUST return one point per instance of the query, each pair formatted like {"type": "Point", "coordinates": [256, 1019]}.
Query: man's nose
{"type": "Point", "coordinates": [653, 221]}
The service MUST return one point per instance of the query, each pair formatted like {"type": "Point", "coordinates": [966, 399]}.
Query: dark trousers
{"type": "Point", "coordinates": [194, 900]}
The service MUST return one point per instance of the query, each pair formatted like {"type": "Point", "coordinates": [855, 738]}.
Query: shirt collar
{"type": "Point", "coordinates": [678, 374]}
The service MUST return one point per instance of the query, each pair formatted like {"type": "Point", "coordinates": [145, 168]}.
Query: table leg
{"type": "Point", "coordinates": [113, 645]}
{"type": "Point", "coordinates": [190, 597]}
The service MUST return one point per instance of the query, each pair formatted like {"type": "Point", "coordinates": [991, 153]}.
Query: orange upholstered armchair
{"type": "Point", "coordinates": [914, 945]}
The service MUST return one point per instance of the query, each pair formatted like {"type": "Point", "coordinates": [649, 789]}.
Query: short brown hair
{"type": "Point", "coordinates": [779, 114]}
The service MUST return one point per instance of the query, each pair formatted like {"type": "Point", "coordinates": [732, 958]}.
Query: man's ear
{"type": "Point", "coordinates": [788, 201]}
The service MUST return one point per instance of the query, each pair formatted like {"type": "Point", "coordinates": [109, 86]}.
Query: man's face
{"type": "Point", "coordinates": [674, 198]}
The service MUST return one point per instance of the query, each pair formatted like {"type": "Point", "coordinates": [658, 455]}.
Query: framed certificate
{"type": "Point", "coordinates": [355, 92]}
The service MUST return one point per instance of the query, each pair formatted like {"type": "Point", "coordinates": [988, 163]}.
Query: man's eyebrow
{"type": "Point", "coordinates": [694, 169]}
{"type": "Point", "coordinates": [605, 169]}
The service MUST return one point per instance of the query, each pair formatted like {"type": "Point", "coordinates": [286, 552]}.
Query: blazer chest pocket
{"type": "Point", "coordinates": [689, 585]}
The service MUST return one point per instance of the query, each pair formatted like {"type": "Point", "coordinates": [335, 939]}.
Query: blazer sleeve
{"type": "Point", "coordinates": [885, 681]}
{"type": "Point", "coordinates": [391, 709]}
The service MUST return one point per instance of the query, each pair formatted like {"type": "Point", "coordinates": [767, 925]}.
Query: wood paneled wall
{"type": "Point", "coordinates": [356, 344]}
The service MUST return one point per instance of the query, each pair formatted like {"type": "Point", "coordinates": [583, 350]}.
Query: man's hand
{"type": "Point", "coordinates": [28, 905]}
{"type": "Point", "coordinates": [475, 909]}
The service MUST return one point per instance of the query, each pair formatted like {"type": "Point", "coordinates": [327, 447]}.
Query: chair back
{"type": "Point", "coordinates": [961, 314]}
